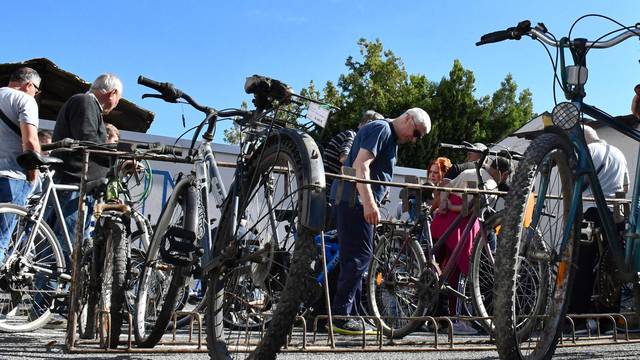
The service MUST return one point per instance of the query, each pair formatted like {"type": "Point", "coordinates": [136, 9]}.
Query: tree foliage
{"type": "Point", "coordinates": [378, 80]}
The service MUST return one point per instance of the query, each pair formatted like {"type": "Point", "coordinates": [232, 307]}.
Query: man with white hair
{"type": "Point", "coordinates": [80, 118]}
{"type": "Point", "coordinates": [611, 168]}
{"type": "Point", "coordinates": [373, 155]}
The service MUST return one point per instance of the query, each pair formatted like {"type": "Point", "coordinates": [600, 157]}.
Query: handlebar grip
{"type": "Point", "coordinates": [496, 36]}
{"type": "Point", "coordinates": [170, 150]}
{"type": "Point", "coordinates": [512, 33]}
{"type": "Point", "coordinates": [151, 83]}
{"type": "Point", "coordinates": [168, 92]}
{"type": "Point", "coordinates": [64, 143]}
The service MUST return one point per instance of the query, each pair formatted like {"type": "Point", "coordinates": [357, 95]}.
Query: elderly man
{"type": "Point", "coordinates": [373, 155]}
{"type": "Point", "coordinates": [80, 118]}
{"type": "Point", "coordinates": [19, 132]}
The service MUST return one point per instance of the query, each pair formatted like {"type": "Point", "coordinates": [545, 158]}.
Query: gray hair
{"type": "Point", "coordinates": [105, 83]}
{"type": "Point", "coordinates": [590, 135]}
{"type": "Point", "coordinates": [420, 116]}
{"type": "Point", "coordinates": [25, 75]}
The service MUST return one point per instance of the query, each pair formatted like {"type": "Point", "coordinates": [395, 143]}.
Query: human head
{"type": "Point", "coordinates": [108, 89]}
{"type": "Point", "coordinates": [26, 80]}
{"type": "Point", "coordinates": [590, 135]}
{"type": "Point", "coordinates": [500, 169]}
{"type": "Point", "coordinates": [113, 134]}
{"type": "Point", "coordinates": [412, 122]}
{"type": "Point", "coordinates": [45, 137]}
{"type": "Point", "coordinates": [369, 116]}
{"type": "Point", "coordinates": [474, 156]}
{"type": "Point", "coordinates": [437, 169]}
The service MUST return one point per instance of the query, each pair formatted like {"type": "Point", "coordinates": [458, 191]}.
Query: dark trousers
{"type": "Point", "coordinates": [355, 237]}
{"type": "Point", "coordinates": [585, 277]}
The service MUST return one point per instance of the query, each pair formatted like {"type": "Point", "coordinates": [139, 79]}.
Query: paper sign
{"type": "Point", "coordinates": [317, 114]}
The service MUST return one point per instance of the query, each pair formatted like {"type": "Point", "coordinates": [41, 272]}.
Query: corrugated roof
{"type": "Point", "coordinates": [58, 85]}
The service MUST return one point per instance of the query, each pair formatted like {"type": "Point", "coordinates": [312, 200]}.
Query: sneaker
{"type": "Point", "coordinates": [462, 327]}
{"type": "Point", "coordinates": [352, 327]}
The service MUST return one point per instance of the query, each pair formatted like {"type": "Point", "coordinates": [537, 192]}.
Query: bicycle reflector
{"type": "Point", "coordinates": [565, 115]}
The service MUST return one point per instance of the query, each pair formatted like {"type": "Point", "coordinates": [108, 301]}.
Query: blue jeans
{"type": "Point", "coordinates": [69, 204]}
{"type": "Point", "coordinates": [11, 191]}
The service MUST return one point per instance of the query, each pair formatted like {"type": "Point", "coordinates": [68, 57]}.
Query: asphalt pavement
{"type": "Point", "coordinates": [48, 344]}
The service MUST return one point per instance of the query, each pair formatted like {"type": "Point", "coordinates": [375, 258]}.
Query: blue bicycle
{"type": "Point", "coordinates": [556, 166]}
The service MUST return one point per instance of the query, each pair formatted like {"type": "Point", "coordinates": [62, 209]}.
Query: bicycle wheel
{"type": "Point", "coordinates": [114, 275]}
{"type": "Point", "coordinates": [545, 174]}
{"type": "Point", "coordinates": [163, 279]}
{"type": "Point", "coordinates": [392, 287]}
{"type": "Point", "coordinates": [29, 276]}
{"type": "Point", "coordinates": [269, 286]}
{"type": "Point", "coordinates": [89, 293]}
{"type": "Point", "coordinates": [531, 280]}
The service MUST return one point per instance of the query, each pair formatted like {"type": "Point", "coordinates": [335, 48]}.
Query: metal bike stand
{"type": "Point", "coordinates": [75, 259]}
{"type": "Point", "coordinates": [326, 291]}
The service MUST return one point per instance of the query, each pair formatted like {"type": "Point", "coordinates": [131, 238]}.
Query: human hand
{"type": "Point", "coordinates": [371, 213]}
{"type": "Point", "coordinates": [32, 175]}
{"type": "Point", "coordinates": [635, 103]}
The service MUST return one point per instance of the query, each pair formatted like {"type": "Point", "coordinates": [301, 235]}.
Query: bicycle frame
{"type": "Point", "coordinates": [629, 257]}
{"type": "Point", "coordinates": [50, 189]}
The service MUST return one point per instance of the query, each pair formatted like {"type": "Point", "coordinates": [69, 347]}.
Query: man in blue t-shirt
{"type": "Point", "coordinates": [373, 155]}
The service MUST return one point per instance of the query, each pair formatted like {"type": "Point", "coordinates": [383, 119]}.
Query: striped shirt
{"type": "Point", "coordinates": [338, 147]}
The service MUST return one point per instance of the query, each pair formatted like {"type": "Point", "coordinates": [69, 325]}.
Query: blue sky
{"type": "Point", "coordinates": [207, 48]}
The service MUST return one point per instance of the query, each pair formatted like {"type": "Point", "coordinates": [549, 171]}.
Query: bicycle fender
{"type": "Point", "coordinates": [313, 194]}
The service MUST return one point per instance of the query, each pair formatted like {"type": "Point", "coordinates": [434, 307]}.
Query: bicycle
{"type": "Point", "coordinates": [556, 165]}
{"type": "Point", "coordinates": [112, 256]}
{"type": "Point", "coordinates": [405, 280]}
{"type": "Point", "coordinates": [255, 266]}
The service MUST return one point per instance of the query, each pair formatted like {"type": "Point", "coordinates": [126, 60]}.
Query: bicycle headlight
{"type": "Point", "coordinates": [565, 115]}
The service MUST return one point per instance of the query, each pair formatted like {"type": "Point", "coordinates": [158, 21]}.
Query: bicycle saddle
{"type": "Point", "coordinates": [30, 160]}
{"type": "Point", "coordinates": [266, 90]}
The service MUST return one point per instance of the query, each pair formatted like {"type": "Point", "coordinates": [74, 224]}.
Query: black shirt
{"type": "Point", "coordinates": [80, 118]}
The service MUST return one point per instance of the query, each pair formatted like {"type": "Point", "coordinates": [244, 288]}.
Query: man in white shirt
{"type": "Point", "coordinates": [19, 132]}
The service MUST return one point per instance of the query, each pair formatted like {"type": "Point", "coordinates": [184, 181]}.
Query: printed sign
{"type": "Point", "coordinates": [318, 114]}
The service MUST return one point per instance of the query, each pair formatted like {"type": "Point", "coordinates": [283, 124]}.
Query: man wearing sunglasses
{"type": "Point", "coordinates": [373, 155]}
{"type": "Point", "coordinates": [19, 132]}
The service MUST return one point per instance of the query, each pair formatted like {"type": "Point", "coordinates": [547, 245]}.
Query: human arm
{"type": "Point", "coordinates": [345, 147]}
{"type": "Point", "coordinates": [361, 164]}
{"type": "Point", "coordinates": [30, 141]}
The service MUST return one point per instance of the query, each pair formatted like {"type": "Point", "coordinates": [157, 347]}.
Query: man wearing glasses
{"type": "Point", "coordinates": [373, 155]}
{"type": "Point", "coordinates": [19, 132]}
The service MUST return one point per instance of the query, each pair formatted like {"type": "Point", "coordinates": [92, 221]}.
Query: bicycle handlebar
{"type": "Point", "coordinates": [510, 154]}
{"type": "Point", "coordinates": [540, 32]}
{"type": "Point", "coordinates": [64, 143]}
{"type": "Point", "coordinates": [158, 148]}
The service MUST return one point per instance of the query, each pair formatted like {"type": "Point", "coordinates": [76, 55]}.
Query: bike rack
{"type": "Point", "coordinates": [412, 343]}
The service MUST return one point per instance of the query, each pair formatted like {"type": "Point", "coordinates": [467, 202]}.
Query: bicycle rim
{"type": "Point", "coordinates": [28, 280]}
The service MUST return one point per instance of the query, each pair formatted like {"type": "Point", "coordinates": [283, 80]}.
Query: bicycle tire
{"type": "Point", "coordinates": [148, 335]}
{"type": "Point", "coordinates": [119, 245]}
{"type": "Point", "coordinates": [381, 283]}
{"type": "Point", "coordinates": [16, 290]}
{"type": "Point", "coordinates": [271, 285]}
{"type": "Point", "coordinates": [548, 156]}
{"type": "Point", "coordinates": [89, 294]}
{"type": "Point", "coordinates": [482, 278]}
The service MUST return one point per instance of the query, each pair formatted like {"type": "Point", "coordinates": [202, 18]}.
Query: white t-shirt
{"type": "Point", "coordinates": [462, 180]}
{"type": "Point", "coordinates": [19, 107]}
{"type": "Point", "coordinates": [614, 174]}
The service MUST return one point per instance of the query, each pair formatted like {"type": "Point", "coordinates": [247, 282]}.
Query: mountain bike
{"type": "Point", "coordinates": [556, 166]}
{"type": "Point", "coordinates": [112, 257]}
{"type": "Point", "coordinates": [256, 265]}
